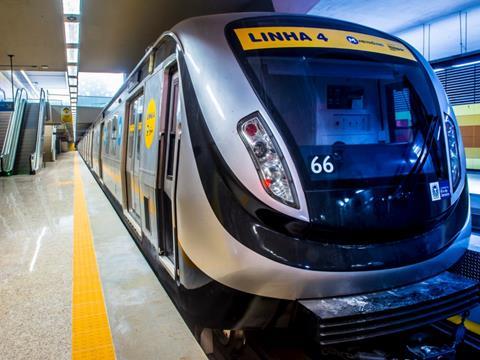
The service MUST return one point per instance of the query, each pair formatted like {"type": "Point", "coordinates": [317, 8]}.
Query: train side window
{"type": "Point", "coordinates": [114, 135]}
{"type": "Point", "coordinates": [139, 112]}
{"type": "Point", "coordinates": [143, 71]}
{"type": "Point", "coordinates": [164, 49]}
{"type": "Point", "coordinates": [107, 137]}
{"type": "Point", "coordinates": [172, 120]}
{"type": "Point", "coordinates": [135, 116]}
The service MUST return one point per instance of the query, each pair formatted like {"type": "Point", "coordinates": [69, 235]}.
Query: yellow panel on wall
{"type": "Point", "coordinates": [467, 115]}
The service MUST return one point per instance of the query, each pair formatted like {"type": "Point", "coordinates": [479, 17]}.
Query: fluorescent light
{"type": "Point", "coordinates": [72, 32]}
{"type": "Point", "coordinates": [72, 81]}
{"type": "Point", "coordinates": [71, 7]}
{"type": "Point", "coordinates": [72, 70]}
{"type": "Point", "coordinates": [466, 64]}
{"type": "Point", "coordinates": [72, 55]}
{"type": "Point", "coordinates": [438, 70]}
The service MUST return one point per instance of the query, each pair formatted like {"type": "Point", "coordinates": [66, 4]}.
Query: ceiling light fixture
{"type": "Point", "coordinates": [72, 70]}
{"type": "Point", "coordinates": [72, 32]}
{"type": "Point", "coordinates": [71, 7]}
{"type": "Point", "coordinates": [72, 55]}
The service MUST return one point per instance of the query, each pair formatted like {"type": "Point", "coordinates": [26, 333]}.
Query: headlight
{"type": "Point", "coordinates": [453, 152]}
{"type": "Point", "coordinates": [268, 160]}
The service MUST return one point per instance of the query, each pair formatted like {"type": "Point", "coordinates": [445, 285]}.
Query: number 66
{"type": "Point", "coordinates": [326, 165]}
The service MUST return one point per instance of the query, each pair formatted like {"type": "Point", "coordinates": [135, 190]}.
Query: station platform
{"type": "Point", "coordinates": [73, 284]}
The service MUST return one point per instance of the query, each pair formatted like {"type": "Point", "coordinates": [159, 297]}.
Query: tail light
{"type": "Point", "coordinates": [268, 160]}
{"type": "Point", "coordinates": [453, 151]}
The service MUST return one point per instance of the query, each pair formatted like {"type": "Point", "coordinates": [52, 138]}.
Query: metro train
{"type": "Point", "coordinates": [261, 159]}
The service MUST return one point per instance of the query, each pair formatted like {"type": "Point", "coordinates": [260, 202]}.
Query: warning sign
{"type": "Point", "coordinates": [294, 37]}
{"type": "Point", "coordinates": [66, 115]}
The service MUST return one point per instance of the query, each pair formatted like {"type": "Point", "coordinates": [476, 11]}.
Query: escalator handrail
{"type": "Point", "coordinates": [35, 157]}
{"type": "Point", "coordinates": [13, 130]}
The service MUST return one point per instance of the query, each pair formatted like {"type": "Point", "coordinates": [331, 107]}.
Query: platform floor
{"type": "Point", "coordinates": [62, 244]}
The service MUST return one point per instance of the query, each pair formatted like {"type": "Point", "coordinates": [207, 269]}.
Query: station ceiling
{"type": "Point", "coordinates": [391, 16]}
{"type": "Point", "coordinates": [115, 33]}
{"type": "Point", "coordinates": [32, 30]}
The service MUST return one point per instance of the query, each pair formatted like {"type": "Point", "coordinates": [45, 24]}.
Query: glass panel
{"type": "Point", "coordinates": [355, 112]}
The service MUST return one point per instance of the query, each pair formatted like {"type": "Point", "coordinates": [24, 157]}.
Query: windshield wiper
{"type": "Point", "coordinates": [423, 156]}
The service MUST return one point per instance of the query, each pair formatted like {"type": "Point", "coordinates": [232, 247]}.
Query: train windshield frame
{"type": "Point", "coordinates": [350, 118]}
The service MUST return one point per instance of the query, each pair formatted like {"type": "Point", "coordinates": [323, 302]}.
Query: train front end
{"type": "Point", "coordinates": [338, 167]}
{"type": "Point", "coordinates": [374, 141]}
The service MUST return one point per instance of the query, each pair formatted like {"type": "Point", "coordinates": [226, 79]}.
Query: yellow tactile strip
{"type": "Point", "coordinates": [91, 336]}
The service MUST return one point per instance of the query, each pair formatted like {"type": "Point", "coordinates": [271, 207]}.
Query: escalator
{"type": "Point", "coordinates": [12, 127]}
{"type": "Point", "coordinates": [6, 111]}
{"type": "Point", "coordinates": [22, 151]}
{"type": "Point", "coordinates": [29, 158]}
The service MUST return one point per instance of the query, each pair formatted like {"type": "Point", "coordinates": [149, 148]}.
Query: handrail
{"type": "Point", "coordinates": [7, 157]}
{"type": "Point", "coordinates": [37, 157]}
{"type": "Point", "coordinates": [4, 94]}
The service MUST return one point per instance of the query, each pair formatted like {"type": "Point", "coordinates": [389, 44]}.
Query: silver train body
{"type": "Point", "coordinates": [364, 188]}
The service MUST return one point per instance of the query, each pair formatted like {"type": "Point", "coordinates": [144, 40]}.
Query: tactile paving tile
{"type": "Point", "coordinates": [91, 336]}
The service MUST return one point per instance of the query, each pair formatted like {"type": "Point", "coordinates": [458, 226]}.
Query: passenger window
{"type": "Point", "coordinates": [165, 49]}
{"type": "Point", "coordinates": [135, 120]}
{"type": "Point", "coordinates": [107, 137]}
{"type": "Point", "coordinates": [139, 113]}
{"type": "Point", "coordinates": [172, 119]}
{"type": "Point", "coordinates": [143, 71]}
{"type": "Point", "coordinates": [114, 135]}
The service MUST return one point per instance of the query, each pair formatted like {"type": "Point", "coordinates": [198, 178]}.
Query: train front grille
{"type": "Point", "coordinates": [354, 318]}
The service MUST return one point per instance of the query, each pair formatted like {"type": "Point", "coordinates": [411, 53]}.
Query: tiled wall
{"type": "Point", "coordinates": [468, 117]}
{"type": "Point", "coordinates": [471, 135]}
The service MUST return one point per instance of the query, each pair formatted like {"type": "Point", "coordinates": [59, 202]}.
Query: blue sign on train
{"type": "Point", "coordinates": [6, 105]}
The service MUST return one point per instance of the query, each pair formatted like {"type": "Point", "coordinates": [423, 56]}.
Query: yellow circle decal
{"type": "Point", "coordinates": [150, 123]}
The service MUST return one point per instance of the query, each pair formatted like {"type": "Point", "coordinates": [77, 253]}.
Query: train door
{"type": "Point", "coordinates": [100, 149]}
{"type": "Point", "coordinates": [135, 116]}
{"type": "Point", "coordinates": [168, 166]}
{"type": "Point", "coordinates": [90, 147]}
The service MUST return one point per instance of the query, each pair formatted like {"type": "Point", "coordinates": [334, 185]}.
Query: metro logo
{"type": "Point", "coordinates": [277, 37]}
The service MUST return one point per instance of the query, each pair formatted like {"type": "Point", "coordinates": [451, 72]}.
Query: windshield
{"type": "Point", "coordinates": [360, 117]}
{"type": "Point", "coordinates": [349, 119]}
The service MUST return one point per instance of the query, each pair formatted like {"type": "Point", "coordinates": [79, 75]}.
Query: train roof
{"type": "Point", "coordinates": [198, 31]}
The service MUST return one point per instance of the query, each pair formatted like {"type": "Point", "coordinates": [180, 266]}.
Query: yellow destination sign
{"type": "Point", "coordinates": [294, 37]}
